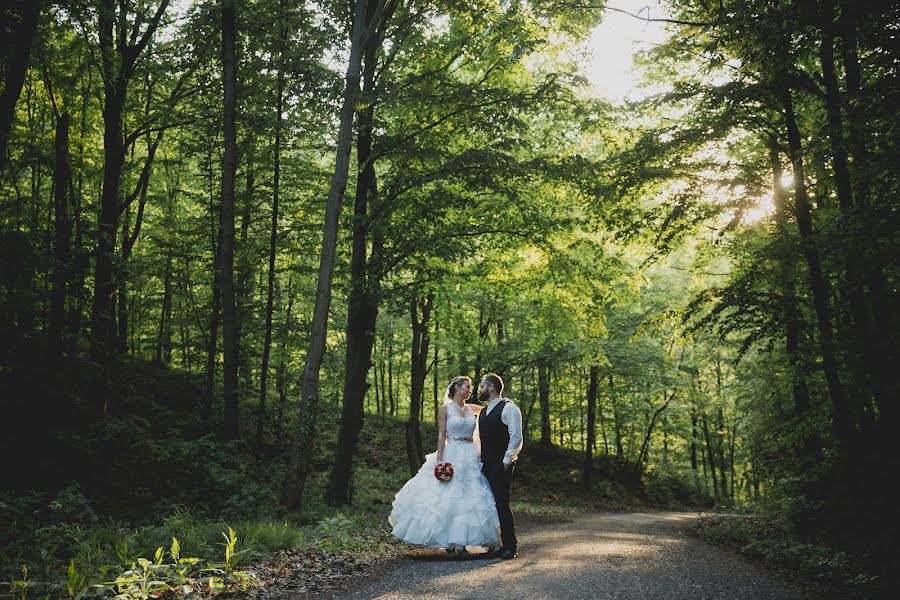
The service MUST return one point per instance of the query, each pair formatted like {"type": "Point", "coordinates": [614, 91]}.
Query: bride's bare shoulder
{"type": "Point", "coordinates": [475, 408]}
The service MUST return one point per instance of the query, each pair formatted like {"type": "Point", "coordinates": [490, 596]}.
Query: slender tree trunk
{"type": "Point", "coordinates": [231, 393]}
{"type": "Point", "coordinates": [122, 287]}
{"type": "Point", "coordinates": [244, 275]}
{"type": "Point", "coordinates": [791, 312]}
{"type": "Point", "coordinates": [418, 372]}
{"type": "Point", "coordinates": [212, 348]}
{"type": "Point", "coordinates": [617, 420]}
{"type": "Point", "coordinates": [79, 255]}
{"type": "Point", "coordinates": [602, 420]}
{"type": "Point", "coordinates": [62, 240]}
{"type": "Point", "coordinates": [281, 370]}
{"type": "Point", "coordinates": [377, 369]}
{"type": "Point", "coordinates": [500, 362]}
{"type": "Point", "coordinates": [164, 337]}
{"type": "Point", "coordinates": [129, 238]}
{"type": "Point", "coordinates": [723, 470]}
{"type": "Point", "coordinates": [694, 447]}
{"type": "Point", "coordinates": [273, 232]}
{"type": "Point", "coordinates": [731, 445]}
{"type": "Point", "coordinates": [301, 452]}
{"type": "Point", "coordinates": [362, 303]}
{"type": "Point", "coordinates": [526, 429]}
{"type": "Point", "coordinates": [710, 456]}
{"type": "Point", "coordinates": [842, 416]}
{"type": "Point", "coordinates": [544, 394]}
{"type": "Point", "coordinates": [391, 375]}
{"type": "Point", "coordinates": [644, 452]}
{"type": "Point", "coordinates": [591, 418]}
{"type": "Point", "coordinates": [807, 448]}
{"type": "Point", "coordinates": [434, 374]}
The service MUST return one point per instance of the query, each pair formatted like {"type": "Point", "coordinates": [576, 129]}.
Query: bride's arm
{"type": "Point", "coordinates": [442, 433]}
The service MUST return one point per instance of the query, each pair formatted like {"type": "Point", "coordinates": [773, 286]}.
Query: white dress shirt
{"type": "Point", "coordinates": [512, 418]}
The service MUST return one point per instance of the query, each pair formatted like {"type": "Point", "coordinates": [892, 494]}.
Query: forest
{"type": "Point", "coordinates": [246, 244]}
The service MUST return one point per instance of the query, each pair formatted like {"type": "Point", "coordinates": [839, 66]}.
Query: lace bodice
{"type": "Point", "coordinates": [460, 427]}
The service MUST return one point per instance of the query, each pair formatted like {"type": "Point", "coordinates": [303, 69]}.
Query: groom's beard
{"type": "Point", "coordinates": [483, 396]}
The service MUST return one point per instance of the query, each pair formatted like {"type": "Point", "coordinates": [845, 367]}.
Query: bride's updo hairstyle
{"type": "Point", "coordinates": [454, 385]}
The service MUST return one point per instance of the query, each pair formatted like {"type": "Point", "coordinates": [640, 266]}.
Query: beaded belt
{"type": "Point", "coordinates": [462, 439]}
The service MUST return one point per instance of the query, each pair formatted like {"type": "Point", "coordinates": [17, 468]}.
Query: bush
{"type": "Point", "coordinates": [666, 488]}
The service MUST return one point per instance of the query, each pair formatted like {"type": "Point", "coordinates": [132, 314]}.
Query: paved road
{"type": "Point", "coordinates": [605, 556]}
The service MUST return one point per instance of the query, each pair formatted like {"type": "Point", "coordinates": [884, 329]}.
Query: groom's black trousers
{"type": "Point", "coordinates": [501, 481]}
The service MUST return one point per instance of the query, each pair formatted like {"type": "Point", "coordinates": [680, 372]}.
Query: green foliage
{"type": "Point", "coordinates": [775, 542]}
{"type": "Point", "coordinates": [17, 589]}
{"type": "Point", "coordinates": [668, 488]}
{"type": "Point", "coordinates": [183, 576]}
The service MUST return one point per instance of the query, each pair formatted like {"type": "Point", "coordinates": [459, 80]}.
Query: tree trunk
{"type": "Point", "coordinates": [212, 347]}
{"type": "Point", "coordinates": [723, 470]}
{"type": "Point", "coordinates": [418, 372]}
{"type": "Point", "coordinates": [301, 452]}
{"type": "Point", "coordinates": [651, 424]}
{"type": "Point", "coordinates": [864, 339]}
{"type": "Point", "coordinates": [544, 394]}
{"type": "Point", "coordinates": [273, 232]}
{"type": "Point", "coordinates": [122, 288]}
{"type": "Point", "coordinates": [362, 303]}
{"type": "Point", "coordinates": [380, 399]}
{"type": "Point", "coordinates": [842, 416]}
{"type": "Point", "coordinates": [391, 376]}
{"type": "Point", "coordinates": [226, 248]}
{"type": "Point", "coordinates": [694, 447]}
{"type": "Point", "coordinates": [791, 313]}
{"type": "Point", "coordinates": [17, 49]}
{"type": "Point", "coordinates": [79, 255]}
{"type": "Point", "coordinates": [62, 240]}
{"type": "Point", "coordinates": [243, 286]}
{"type": "Point", "coordinates": [117, 62]}
{"type": "Point", "coordinates": [617, 420]}
{"type": "Point", "coordinates": [102, 322]}
{"type": "Point", "coordinates": [164, 337]}
{"type": "Point", "coordinates": [526, 430]}
{"type": "Point", "coordinates": [281, 370]}
{"type": "Point", "coordinates": [434, 375]}
{"type": "Point", "coordinates": [710, 456]}
{"type": "Point", "coordinates": [591, 418]}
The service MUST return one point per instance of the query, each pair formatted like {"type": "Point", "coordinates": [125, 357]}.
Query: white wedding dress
{"type": "Point", "coordinates": [452, 514]}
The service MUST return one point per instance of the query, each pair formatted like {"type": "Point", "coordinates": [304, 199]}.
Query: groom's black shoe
{"type": "Point", "coordinates": [504, 553]}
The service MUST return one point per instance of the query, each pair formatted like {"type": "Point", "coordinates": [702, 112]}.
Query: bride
{"type": "Point", "coordinates": [456, 513]}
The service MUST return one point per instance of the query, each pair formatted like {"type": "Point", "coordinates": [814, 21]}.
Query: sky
{"type": "Point", "coordinates": [614, 42]}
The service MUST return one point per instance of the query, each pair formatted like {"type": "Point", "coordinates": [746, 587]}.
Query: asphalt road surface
{"type": "Point", "coordinates": [617, 555]}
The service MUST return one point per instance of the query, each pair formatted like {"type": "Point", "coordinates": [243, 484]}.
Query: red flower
{"type": "Point", "coordinates": [443, 472]}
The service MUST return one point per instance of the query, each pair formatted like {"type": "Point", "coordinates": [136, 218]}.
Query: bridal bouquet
{"type": "Point", "coordinates": [443, 471]}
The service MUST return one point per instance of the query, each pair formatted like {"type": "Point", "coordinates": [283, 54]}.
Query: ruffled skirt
{"type": "Point", "coordinates": [452, 514]}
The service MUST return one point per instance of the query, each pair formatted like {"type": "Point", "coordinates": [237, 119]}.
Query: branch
{"type": "Point", "coordinates": [144, 178]}
{"type": "Point", "coordinates": [409, 137]}
{"type": "Point", "coordinates": [638, 16]}
{"type": "Point", "coordinates": [151, 28]}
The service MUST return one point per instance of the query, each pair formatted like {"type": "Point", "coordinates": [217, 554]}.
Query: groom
{"type": "Point", "coordinates": [500, 429]}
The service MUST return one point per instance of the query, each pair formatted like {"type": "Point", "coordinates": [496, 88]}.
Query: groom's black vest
{"type": "Point", "coordinates": [494, 434]}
